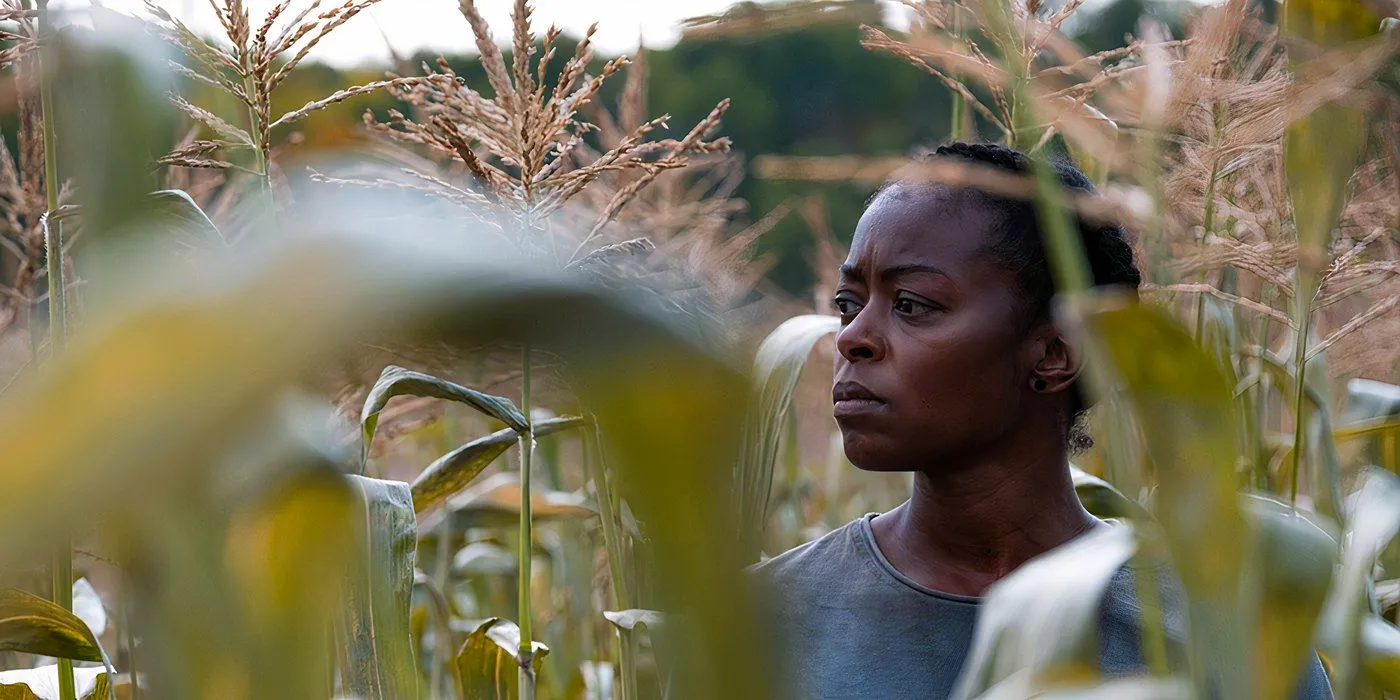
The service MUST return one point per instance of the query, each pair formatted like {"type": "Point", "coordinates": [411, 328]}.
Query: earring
{"type": "Point", "coordinates": [1039, 385]}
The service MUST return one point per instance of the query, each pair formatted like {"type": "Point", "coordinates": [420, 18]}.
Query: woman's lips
{"type": "Point", "coordinates": [855, 407]}
{"type": "Point", "coordinates": [850, 398]}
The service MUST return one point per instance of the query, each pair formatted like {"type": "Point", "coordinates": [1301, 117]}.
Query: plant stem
{"type": "Point", "coordinates": [610, 516]}
{"type": "Point", "coordinates": [1300, 365]}
{"type": "Point", "coordinates": [527, 446]}
{"type": "Point", "coordinates": [58, 317]}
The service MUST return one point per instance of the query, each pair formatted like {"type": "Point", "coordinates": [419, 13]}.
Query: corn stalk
{"type": "Point", "coordinates": [525, 657]}
{"type": "Point", "coordinates": [58, 317]}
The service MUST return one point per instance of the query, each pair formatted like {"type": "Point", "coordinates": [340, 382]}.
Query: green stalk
{"type": "Point", "coordinates": [611, 518]}
{"type": "Point", "coordinates": [1303, 319]}
{"type": "Point", "coordinates": [527, 446]}
{"type": "Point", "coordinates": [58, 317]}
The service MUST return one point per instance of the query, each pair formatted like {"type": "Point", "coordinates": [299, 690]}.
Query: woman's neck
{"type": "Point", "coordinates": [963, 529]}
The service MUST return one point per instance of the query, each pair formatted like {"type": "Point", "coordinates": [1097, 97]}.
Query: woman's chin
{"type": "Point", "coordinates": [871, 453]}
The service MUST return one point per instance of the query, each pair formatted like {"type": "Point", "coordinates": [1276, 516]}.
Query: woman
{"type": "Point", "coordinates": [950, 366]}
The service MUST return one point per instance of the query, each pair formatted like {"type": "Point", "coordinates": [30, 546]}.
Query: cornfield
{"type": "Point", "coordinates": [506, 409]}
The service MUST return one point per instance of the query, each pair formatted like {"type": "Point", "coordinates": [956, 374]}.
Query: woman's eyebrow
{"type": "Point", "coordinates": [894, 271]}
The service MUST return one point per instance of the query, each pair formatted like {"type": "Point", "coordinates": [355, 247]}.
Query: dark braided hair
{"type": "Point", "coordinates": [1017, 240]}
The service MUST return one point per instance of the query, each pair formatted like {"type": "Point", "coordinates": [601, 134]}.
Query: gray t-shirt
{"type": "Point", "coordinates": [851, 626]}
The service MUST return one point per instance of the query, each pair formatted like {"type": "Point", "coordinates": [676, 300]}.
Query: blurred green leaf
{"type": "Point", "coordinates": [452, 472]}
{"type": "Point", "coordinates": [1372, 519]}
{"type": "Point", "coordinates": [1380, 653]}
{"type": "Point", "coordinates": [1184, 407]}
{"type": "Point", "coordinates": [397, 381]}
{"type": "Point", "coordinates": [487, 665]}
{"type": "Point", "coordinates": [33, 625]}
{"type": "Point", "coordinates": [776, 369]}
{"type": "Point", "coordinates": [1321, 150]}
{"type": "Point", "coordinates": [484, 559]}
{"type": "Point", "coordinates": [113, 119]}
{"type": "Point", "coordinates": [42, 683]}
{"type": "Point", "coordinates": [1019, 687]}
{"type": "Point", "coordinates": [1295, 562]}
{"type": "Point", "coordinates": [1100, 498]}
{"type": "Point", "coordinates": [1040, 622]}
{"type": "Point", "coordinates": [374, 643]}
{"type": "Point", "coordinates": [287, 554]}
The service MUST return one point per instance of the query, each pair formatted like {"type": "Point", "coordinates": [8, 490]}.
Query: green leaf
{"type": "Point", "coordinates": [775, 372]}
{"type": "Point", "coordinates": [397, 381]}
{"type": "Point", "coordinates": [33, 625]}
{"type": "Point", "coordinates": [176, 212]}
{"type": "Point", "coordinates": [1295, 563]}
{"type": "Point", "coordinates": [42, 683]}
{"type": "Point", "coordinates": [1183, 405]}
{"type": "Point", "coordinates": [1372, 519]}
{"type": "Point", "coordinates": [1100, 498]}
{"type": "Point", "coordinates": [632, 618]}
{"type": "Point", "coordinates": [1041, 621]}
{"type": "Point", "coordinates": [375, 641]}
{"type": "Point", "coordinates": [452, 472]}
{"type": "Point", "coordinates": [1322, 451]}
{"type": "Point", "coordinates": [487, 665]}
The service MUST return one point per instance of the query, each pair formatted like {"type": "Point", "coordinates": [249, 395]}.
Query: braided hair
{"type": "Point", "coordinates": [1017, 242]}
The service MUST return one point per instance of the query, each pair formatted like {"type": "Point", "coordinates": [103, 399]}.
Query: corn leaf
{"type": "Point", "coordinates": [452, 472]}
{"type": "Point", "coordinates": [33, 625]}
{"type": "Point", "coordinates": [397, 381]}
{"type": "Point", "coordinates": [1295, 561]}
{"type": "Point", "coordinates": [1020, 687]}
{"type": "Point", "coordinates": [176, 212]}
{"type": "Point", "coordinates": [496, 501]}
{"type": "Point", "coordinates": [1380, 653]}
{"type": "Point", "coordinates": [288, 554]}
{"type": "Point", "coordinates": [1100, 498]}
{"type": "Point", "coordinates": [633, 618]}
{"type": "Point", "coordinates": [1041, 621]}
{"type": "Point", "coordinates": [42, 683]}
{"type": "Point", "coordinates": [1183, 405]}
{"type": "Point", "coordinates": [375, 646]}
{"type": "Point", "coordinates": [1372, 520]}
{"type": "Point", "coordinates": [486, 664]}
{"type": "Point", "coordinates": [776, 369]}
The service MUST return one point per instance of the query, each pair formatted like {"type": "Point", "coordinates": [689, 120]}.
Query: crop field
{"type": "Point", "coordinates": [487, 376]}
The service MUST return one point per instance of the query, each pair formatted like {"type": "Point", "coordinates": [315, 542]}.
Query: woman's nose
{"type": "Point", "coordinates": [858, 340]}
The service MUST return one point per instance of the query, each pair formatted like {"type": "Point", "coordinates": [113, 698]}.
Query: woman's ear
{"type": "Point", "coordinates": [1055, 364]}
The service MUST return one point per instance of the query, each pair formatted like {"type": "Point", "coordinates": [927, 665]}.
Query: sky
{"type": "Point", "coordinates": [437, 25]}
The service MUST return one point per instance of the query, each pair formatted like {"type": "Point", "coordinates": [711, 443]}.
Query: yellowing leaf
{"type": "Point", "coordinates": [33, 625]}
{"type": "Point", "coordinates": [42, 683]}
{"type": "Point", "coordinates": [451, 472]}
{"type": "Point", "coordinates": [487, 665]}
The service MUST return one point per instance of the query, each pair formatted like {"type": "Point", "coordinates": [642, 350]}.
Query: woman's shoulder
{"type": "Point", "coordinates": [814, 558]}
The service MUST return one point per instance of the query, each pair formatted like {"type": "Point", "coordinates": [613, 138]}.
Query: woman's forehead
{"type": "Point", "coordinates": [922, 225]}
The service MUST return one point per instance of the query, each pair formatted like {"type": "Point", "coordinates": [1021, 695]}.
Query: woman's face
{"type": "Point", "coordinates": [932, 363]}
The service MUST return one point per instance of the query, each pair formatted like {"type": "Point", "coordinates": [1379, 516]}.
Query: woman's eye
{"type": "Point", "coordinates": [907, 305]}
{"type": "Point", "coordinates": [845, 307]}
